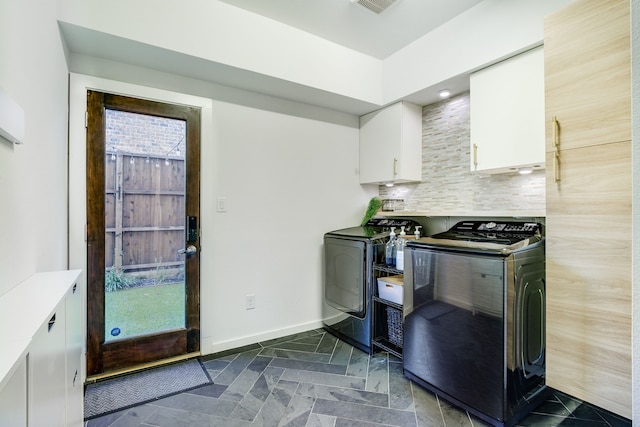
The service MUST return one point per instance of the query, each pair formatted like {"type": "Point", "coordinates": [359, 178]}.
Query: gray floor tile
{"type": "Point", "coordinates": [372, 414]}
{"type": "Point", "coordinates": [295, 355]}
{"type": "Point", "coordinates": [170, 417]}
{"type": "Point", "coordinates": [299, 345]}
{"type": "Point", "coordinates": [209, 390]}
{"type": "Point", "coordinates": [358, 364]}
{"type": "Point", "coordinates": [317, 420]}
{"type": "Point", "coordinates": [290, 338]}
{"type": "Point", "coordinates": [133, 417]}
{"type": "Point", "coordinates": [197, 404]}
{"type": "Point", "coordinates": [378, 374]}
{"type": "Point", "coordinates": [427, 408]}
{"type": "Point", "coordinates": [341, 394]}
{"type": "Point", "coordinates": [216, 365]}
{"type": "Point", "coordinates": [297, 413]}
{"type": "Point", "coordinates": [246, 379]}
{"type": "Point", "coordinates": [327, 344]}
{"type": "Point", "coordinates": [400, 396]}
{"type": "Point", "coordinates": [341, 354]}
{"type": "Point", "coordinates": [453, 416]}
{"type": "Point", "coordinates": [324, 379]}
{"type": "Point", "coordinates": [344, 422]}
{"type": "Point", "coordinates": [312, 379]}
{"type": "Point", "coordinates": [252, 402]}
{"type": "Point", "coordinates": [309, 366]}
{"type": "Point", "coordinates": [276, 404]}
{"type": "Point", "coordinates": [236, 367]}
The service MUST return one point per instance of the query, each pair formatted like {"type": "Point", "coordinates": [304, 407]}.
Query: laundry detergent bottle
{"type": "Point", "coordinates": [390, 249]}
{"type": "Point", "coordinates": [401, 241]}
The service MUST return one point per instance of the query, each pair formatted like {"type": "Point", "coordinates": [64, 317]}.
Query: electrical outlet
{"type": "Point", "coordinates": [250, 302]}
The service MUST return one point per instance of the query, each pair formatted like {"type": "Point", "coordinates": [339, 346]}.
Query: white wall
{"type": "Point", "coordinates": [289, 174]}
{"type": "Point", "coordinates": [214, 41]}
{"type": "Point", "coordinates": [224, 34]}
{"type": "Point", "coordinates": [33, 176]}
{"type": "Point", "coordinates": [488, 32]}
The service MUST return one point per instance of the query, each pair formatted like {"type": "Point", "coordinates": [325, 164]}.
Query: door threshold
{"type": "Point", "coordinates": [141, 367]}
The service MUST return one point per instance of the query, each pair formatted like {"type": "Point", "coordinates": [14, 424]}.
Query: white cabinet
{"type": "Point", "coordinates": [41, 326]}
{"type": "Point", "coordinates": [391, 145]}
{"type": "Point", "coordinates": [13, 397]}
{"type": "Point", "coordinates": [75, 333]}
{"type": "Point", "coordinates": [507, 114]}
{"type": "Point", "coordinates": [47, 373]}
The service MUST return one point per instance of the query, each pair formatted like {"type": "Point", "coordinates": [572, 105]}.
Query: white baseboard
{"type": "Point", "coordinates": [217, 347]}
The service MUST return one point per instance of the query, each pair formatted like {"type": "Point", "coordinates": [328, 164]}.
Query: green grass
{"type": "Point", "coordinates": [144, 310]}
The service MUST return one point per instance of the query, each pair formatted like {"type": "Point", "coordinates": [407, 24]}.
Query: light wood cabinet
{"type": "Point", "coordinates": [391, 145]}
{"type": "Point", "coordinates": [588, 225]}
{"type": "Point", "coordinates": [507, 114]}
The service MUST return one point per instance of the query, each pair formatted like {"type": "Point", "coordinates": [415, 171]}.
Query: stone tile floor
{"type": "Point", "coordinates": [312, 379]}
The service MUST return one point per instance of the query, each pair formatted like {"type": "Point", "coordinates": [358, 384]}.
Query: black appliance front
{"type": "Point", "coordinates": [349, 256]}
{"type": "Point", "coordinates": [474, 328]}
{"type": "Point", "coordinates": [346, 275]}
{"type": "Point", "coordinates": [346, 312]}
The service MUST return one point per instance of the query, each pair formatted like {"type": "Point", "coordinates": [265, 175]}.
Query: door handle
{"type": "Point", "coordinates": [189, 250]}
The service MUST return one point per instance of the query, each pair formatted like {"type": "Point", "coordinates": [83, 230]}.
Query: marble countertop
{"type": "Point", "coordinates": [486, 214]}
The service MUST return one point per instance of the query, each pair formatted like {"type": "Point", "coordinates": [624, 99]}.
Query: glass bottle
{"type": "Point", "coordinates": [400, 244]}
{"type": "Point", "coordinates": [390, 249]}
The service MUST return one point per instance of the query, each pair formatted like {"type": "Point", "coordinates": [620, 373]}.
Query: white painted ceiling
{"type": "Point", "coordinates": [339, 21]}
{"type": "Point", "coordinates": [356, 27]}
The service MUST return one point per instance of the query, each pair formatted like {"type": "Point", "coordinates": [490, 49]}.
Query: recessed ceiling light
{"type": "Point", "coordinates": [444, 93]}
{"type": "Point", "coordinates": [525, 171]}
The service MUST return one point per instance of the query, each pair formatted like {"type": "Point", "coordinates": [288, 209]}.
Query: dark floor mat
{"type": "Point", "coordinates": [119, 393]}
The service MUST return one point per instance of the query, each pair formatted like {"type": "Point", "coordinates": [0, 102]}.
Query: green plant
{"type": "Point", "coordinates": [374, 206]}
{"type": "Point", "coordinates": [115, 281]}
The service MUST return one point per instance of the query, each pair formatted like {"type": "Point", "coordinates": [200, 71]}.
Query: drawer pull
{"type": "Point", "coordinates": [556, 152]}
{"type": "Point", "coordinates": [75, 288]}
{"type": "Point", "coordinates": [75, 377]}
{"type": "Point", "coordinates": [52, 321]}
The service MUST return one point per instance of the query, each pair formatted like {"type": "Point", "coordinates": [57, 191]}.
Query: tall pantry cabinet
{"type": "Point", "coordinates": [588, 157]}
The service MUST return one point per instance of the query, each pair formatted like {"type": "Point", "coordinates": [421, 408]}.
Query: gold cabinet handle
{"type": "Point", "coordinates": [556, 166]}
{"type": "Point", "coordinates": [395, 167]}
{"type": "Point", "coordinates": [556, 152]}
{"type": "Point", "coordinates": [475, 155]}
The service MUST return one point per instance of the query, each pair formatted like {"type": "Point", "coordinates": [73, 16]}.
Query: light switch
{"type": "Point", "coordinates": [221, 204]}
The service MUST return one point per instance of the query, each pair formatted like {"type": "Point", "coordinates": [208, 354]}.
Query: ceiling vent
{"type": "Point", "coordinates": [377, 6]}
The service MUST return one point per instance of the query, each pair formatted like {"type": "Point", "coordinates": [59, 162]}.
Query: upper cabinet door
{"type": "Point", "coordinates": [391, 145]}
{"type": "Point", "coordinates": [507, 114]}
{"type": "Point", "coordinates": [588, 81]}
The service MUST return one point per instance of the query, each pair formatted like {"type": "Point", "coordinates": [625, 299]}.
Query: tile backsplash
{"type": "Point", "coordinates": [448, 184]}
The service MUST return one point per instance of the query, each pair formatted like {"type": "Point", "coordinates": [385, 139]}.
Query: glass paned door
{"type": "Point", "coordinates": [145, 224]}
{"type": "Point", "coordinates": [143, 240]}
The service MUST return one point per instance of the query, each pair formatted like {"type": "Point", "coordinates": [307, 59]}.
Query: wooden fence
{"type": "Point", "coordinates": [144, 204]}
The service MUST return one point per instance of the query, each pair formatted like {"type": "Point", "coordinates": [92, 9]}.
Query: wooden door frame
{"type": "Point", "coordinates": [104, 357]}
